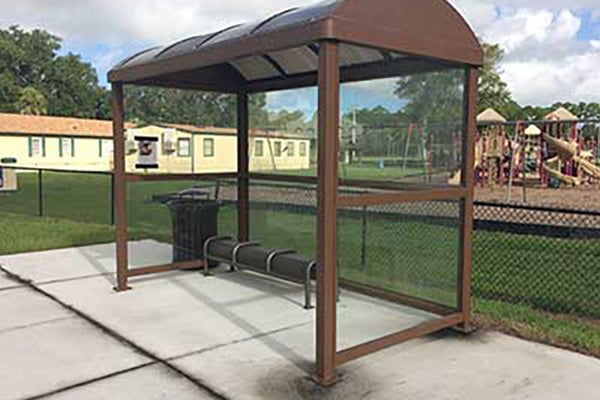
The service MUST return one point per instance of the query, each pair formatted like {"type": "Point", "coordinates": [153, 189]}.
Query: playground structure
{"type": "Point", "coordinates": [558, 150]}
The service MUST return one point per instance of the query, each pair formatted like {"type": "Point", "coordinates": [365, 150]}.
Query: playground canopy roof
{"type": "Point", "coordinates": [281, 52]}
{"type": "Point", "coordinates": [533, 130]}
{"type": "Point", "coordinates": [491, 115]}
{"type": "Point", "coordinates": [561, 114]}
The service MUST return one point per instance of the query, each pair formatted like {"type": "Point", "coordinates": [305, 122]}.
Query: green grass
{"type": "Point", "coordinates": [21, 234]}
{"type": "Point", "coordinates": [576, 334]}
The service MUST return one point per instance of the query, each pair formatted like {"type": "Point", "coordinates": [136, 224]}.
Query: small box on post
{"type": "Point", "coordinates": [8, 176]}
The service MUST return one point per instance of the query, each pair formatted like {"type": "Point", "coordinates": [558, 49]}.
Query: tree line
{"type": "Point", "coordinates": [36, 79]}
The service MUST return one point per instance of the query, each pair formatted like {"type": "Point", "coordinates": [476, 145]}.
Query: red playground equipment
{"type": "Point", "coordinates": [559, 150]}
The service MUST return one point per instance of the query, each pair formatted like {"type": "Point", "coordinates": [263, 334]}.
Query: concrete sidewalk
{"type": "Point", "coordinates": [64, 334]}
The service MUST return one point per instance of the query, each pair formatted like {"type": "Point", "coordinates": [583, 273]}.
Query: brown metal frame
{"type": "Point", "coordinates": [196, 72]}
{"type": "Point", "coordinates": [121, 178]}
{"type": "Point", "coordinates": [328, 119]}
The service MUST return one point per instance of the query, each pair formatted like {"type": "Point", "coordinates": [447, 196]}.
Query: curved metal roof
{"type": "Point", "coordinates": [420, 32]}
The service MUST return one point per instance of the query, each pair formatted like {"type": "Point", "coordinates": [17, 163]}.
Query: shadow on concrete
{"type": "Point", "coordinates": [255, 332]}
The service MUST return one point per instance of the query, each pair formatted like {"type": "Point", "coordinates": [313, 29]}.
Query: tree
{"type": "Point", "coordinates": [432, 97]}
{"type": "Point", "coordinates": [493, 91]}
{"type": "Point", "coordinates": [30, 59]}
{"type": "Point", "coordinates": [152, 105]}
{"type": "Point", "coordinates": [32, 102]}
{"type": "Point", "coordinates": [72, 87]}
{"type": "Point", "coordinates": [281, 119]}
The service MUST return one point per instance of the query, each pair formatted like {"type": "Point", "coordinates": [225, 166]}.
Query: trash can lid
{"type": "Point", "coordinates": [194, 194]}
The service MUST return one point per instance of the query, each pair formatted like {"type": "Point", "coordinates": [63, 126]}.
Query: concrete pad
{"type": "Point", "coordinates": [172, 315]}
{"type": "Point", "coordinates": [155, 382]}
{"type": "Point", "coordinates": [77, 262]}
{"type": "Point", "coordinates": [23, 306]}
{"type": "Point", "coordinates": [207, 312]}
{"type": "Point", "coordinates": [47, 357]}
{"type": "Point", "coordinates": [361, 319]}
{"type": "Point", "coordinates": [248, 337]}
{"type": "Point", "coordinates": [486, 366]}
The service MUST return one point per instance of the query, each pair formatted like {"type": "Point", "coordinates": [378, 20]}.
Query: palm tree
{"type": "Point", "coordinates": [32, 102]}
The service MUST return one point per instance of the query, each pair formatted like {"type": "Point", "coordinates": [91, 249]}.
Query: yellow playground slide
{"type": "Point", "coordinates": [567, 151]}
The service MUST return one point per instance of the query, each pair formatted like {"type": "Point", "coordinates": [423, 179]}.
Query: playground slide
{"type": "Point", "coordinates": [588, 167]}
{"type": "Point", "coordinates": [555, 173]}
{"type": "Point", "coordinates": [567, 151]}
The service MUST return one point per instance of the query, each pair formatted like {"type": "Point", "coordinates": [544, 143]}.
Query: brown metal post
{"type": "Point", "coordinates": [243, 166]}
{"type": "Point", "coordinates": [468, 182]}
{"type": "Point", "coordinates": [120, 185]}
{"type": "Point", "coordinates": [329, 92]}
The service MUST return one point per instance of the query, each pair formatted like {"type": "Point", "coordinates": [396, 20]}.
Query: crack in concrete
{"type": "Point", "coordinates": [115, 335]}
{"type": "Point", "coordinates": [238, 341]}
{"type": "Point", "coordinates": [34, 324]}
{"type": "Point", "coordinates": [90, 381]}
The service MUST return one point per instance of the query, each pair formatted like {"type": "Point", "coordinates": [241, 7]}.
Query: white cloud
{"type": "Point", "coordinates": [545, 62]}
{"type": "Point", "coordinates": [479, 14]}
{"type": "Point", "coordinates": [542, 82]}
{"type": "Point", "coordinates": [146, 21]}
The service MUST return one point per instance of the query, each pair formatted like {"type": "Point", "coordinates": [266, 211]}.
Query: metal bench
{"type": "Point", "coordinates": [284, 264]}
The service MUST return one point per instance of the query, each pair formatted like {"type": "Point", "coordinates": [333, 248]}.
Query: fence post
{"type": "Point", "coordinates": [40, 194]}
{"type": "Point", "coordinates": [363, 238]}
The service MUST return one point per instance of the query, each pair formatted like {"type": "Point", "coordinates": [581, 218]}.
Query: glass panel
{"type": "Point", "coordinates": [400, 250]}
{"type": "Point", "coordinates": [286, 122]}
{"type": "Point", "coordinates": [183, 132]}
{"type": "Point", "coordinates": [283, 215]}
{"type": "Point", "coordinates": [397, 263]}
{"type": "Point", "coordinates": [402, 129]}
{"type": "Point", "coordinates": [178, 216]}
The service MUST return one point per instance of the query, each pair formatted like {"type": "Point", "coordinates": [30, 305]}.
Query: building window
{"type": "Point", "coordinates": [291, 149]}
{"type": "Point", "coordinates": [302, 149]}
{"type": "Point", "coordinates": [277, 150]}
{"type": "Point", "coordinates": [67, 148]}
{"type": "Point", "coordinates": [37, 147]}
{"type": "Point", "coordinates": [184, 147]}
{"type": "Point", "coordinates": [209, 147]}
{"type": "Point", "coordinates": [259, 149]}
{"type": "Point", "coordinates": [106, 148]}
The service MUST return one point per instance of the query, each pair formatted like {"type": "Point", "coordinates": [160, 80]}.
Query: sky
{"type": "Point", "coordinates": [552, 46]}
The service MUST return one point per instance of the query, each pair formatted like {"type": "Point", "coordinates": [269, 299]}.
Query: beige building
{"type": "Point", "coordinates": [80, 144]}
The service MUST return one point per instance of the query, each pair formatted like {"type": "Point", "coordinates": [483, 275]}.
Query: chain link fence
{"type": "Point", "coordinates": [81, 196]}
{"type": "Point", "coordinates": [544, 258]}
{"type": "Point", "coordinates": [547, 259]}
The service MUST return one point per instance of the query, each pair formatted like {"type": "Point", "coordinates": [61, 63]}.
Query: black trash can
{"type": "Point", "coordinates": [194, 219]}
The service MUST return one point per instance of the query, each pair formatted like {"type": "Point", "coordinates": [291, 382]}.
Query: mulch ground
{"type": "Point", "coordinates": [579, 198]}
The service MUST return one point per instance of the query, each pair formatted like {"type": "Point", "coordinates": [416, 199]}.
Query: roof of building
{"type": "Point", "coordinates": [490, 115]}
{"type": "Point", "coordinates": [415, 35]}
{"type": "Point", "coordinates": [561, 114]}
{"type": "Point", "coordinates": [18, 124]}
{"type": "Point", "coordinates": [211, 130]}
